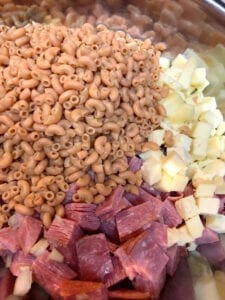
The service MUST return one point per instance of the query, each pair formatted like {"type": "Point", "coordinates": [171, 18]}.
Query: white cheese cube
{"type": "Point", "coordinates": [205, 190]}
{"type": "Point", "coordinates": [165, 183]}
{"type": "Point", "coordinates": [184, 236]}
{"type": "Point", "coordinates": [182, 153]}
{"type": "Point", "coordinates": [199, 147]}
{"type": "Point", "coordinates": [179, 61]}
{"type": "Point", "coordinates": [176, 101]}
{"type": "Point", "coordinates": [150, 153]}
{"type": "Point", "coordinates": [198, 79]}
{"type": "Point", "coordinates": [195, 227]}
{"type": "Point", "coordinates": [208, 206]}
{"type": "Point", "coordinates": [213, 117]}
{"type": "Point", "coordinates": [202, 130]}
{"type": "Point", "coordinates": [215, 147]}
{"type": "Point", "coordinates": [157, 136]}
{"type": "Point", "coordinates": [185, 115]}
{"type": "Point", "coordinates": [216, 223]}
{"type": "Point", "coordinates": [151, 170]}
{"type": "Point", "coordinates": [172, 236]}
{"type": "Point", "coordinates": [179, 182]}
{"type": "Point", "coordinates": [221, 128]}
{"type": "Point", "coordinates": [207, 103]}
{"type": "Point", "coordinates": [182, 140]}
{"type": "Point", "coordinates": [173, 163]}
{"type": "Point", "coordinates": [215, 168]}
{"type": "Point", "coordinates": [220, 189]}
{"type": "Point", "coordinates": [164, 62]}
{"type": "Point", "coordinates": [186, 207]}
{"type": "Point", "coordinates": [187, 72]}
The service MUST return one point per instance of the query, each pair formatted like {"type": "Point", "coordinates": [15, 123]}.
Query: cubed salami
{"type": "Point", "coordinates": [94, 260]}
{"type": "Point", "coordinates": [28, 232]}
{"type": "Point", "coordinates": [20, 260]}
{"type": "Point", "coordinates": [208, 236]}
{"type": "Point", "coordinates": [84, 215]}
{"type": "Point", "coordinates": [63, 234]}
{"type": "Point", "coordinates": [50, 273]}
{"type": "Point", "coordinates": [137, 218]}
{"type": "Point", "coordinates": [180, 285]}
{"type": "Point", "coordinates": [7, 281]}
{"type": "Point", "coordinates": [170, 215]}
{"type": "Point", "coordinates": [174, 258]}
{"type": "Point", "coordinates": [8, 239]}
{"type": "Point", "coordinates": [71, 290]}
{"type": "Point", "coordinates": [158, 234]}
{"type": "Point", "coordinates": [118, 274]}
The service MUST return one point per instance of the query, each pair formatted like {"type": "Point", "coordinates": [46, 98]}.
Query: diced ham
{"type": "Point", "coordinates": [158, 234]}
{"type": "Point", "coordinates": [112, 246]}
{"type": "Point", "coordinates": [170, 215]}
{"type": "Point", "coordinates": [49, 273]}
{"type": "Point", "coordinates": [71, 290]}
{"type": "Point", "coordinates": [63, 235]}
{"type": "Point", "coordinates": [135, 164]}
{"type": "Point", "coordinates": [69, 193]}
{"type": "Point", "coordinates": [20, 260]}
{"type": "Point", "coordinates": [214, 252]}
{"type": "Point", "coordinates": [94, 261]}
{"type": "Point", "coordinates": [179, 286]}
{"type": "Point", "coordinates": [84, 215]}
{"type": "Point", "coordinates": [28, 232]}
{"type": "Point", "coordinates": [7, 281]}
{"type": "Point", "coordinates": [8, 239]}
{"type": "Point", "coordinates": [174, 255]}
{"type": "Point", "coordinates": [137, 218]}
{"type": "Point", "coordinates": [113, 204]}
{"type": "Point", "coordinates": [129, 295]}
{"type": "Point", "coordinates": [208, 236]}
{"type": "Point", "coordinates": [118, 274]}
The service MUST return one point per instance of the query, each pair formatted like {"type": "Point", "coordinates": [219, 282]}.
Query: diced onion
{"type": "Point", "coordinates": [39, 247]}
{"type": "Point", "coordinates": [56, 255]}
{"type": "Point", "coordinates": [23, 282]}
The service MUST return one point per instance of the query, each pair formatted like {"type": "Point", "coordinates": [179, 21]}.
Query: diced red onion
{"type": "Point", "coordinates": [23, 282]}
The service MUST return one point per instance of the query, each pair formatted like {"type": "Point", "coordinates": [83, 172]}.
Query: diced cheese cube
{"type": "Point", "coordinates": [205, 190]}
{"type": "Point", "coordinates": [184, 236]}
{"type": "Point", "coordinates": [215, 147]}
{"type": "Point", "coordinates": [165, 183]}
{"type": "Point", "coordinates": [213, 117]}
{"type": "Point", "coordinates": [177, 103]}
{"type": "Point", "coordinates": [182, 140]}
{"type": "Point", "coordinates": [207, 103]}
{"type": "Point", "coordinates": [186, 114]}
{"type": "Point", "coordinates": [151, 170]}
{"type": "Point", "coordinates": [220, 189]}
{"type": "Point", "coordinates": [198, 79]}
{"type": "Point", "coordinates": [187, 72]}
{"type": "Point", "coordinates": [151, 153]}
{"type": "Point", "coordinates": [172, 164]}
{"type": "Point", "coordinates": [186, 207]}
{"type": "Point", "coordinates": [208, 206]}
{"type": "Point", "coordinates": [215, 168]}
{"type": "Point", "coordinates": [164, 62]}
{"type": "Point", "coordinates": [179, 182]}
{"type": "Point", "coordinates": [202, 130]}
{"type": "Point", "coordinates": [179, 61]}
{"type": "Point", "coordinates": [221, 128]}
{"type": "Point", "coordinates": [195, 227]}
{"type": "Point", "coordinates": [182, 153]}
{"type": "Point", "coordinates": [157, 136]}
{"type": "Point", "coordinates": [172, 236]}
{"type": "Point", "coordinates": [199, 147]}
{"type": "Point", "coordinates": [216, 223]}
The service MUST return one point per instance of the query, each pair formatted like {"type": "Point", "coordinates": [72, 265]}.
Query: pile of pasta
{"type": "Point", "coordinates": [75, 105]}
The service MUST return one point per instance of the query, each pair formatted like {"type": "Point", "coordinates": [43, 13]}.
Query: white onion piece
{"type": "Point", "coordinates": [13, 221]}
{"type": "Point", "coordinates": [23, 282]}
{"type": "Point", "coordinates": [56, 255]}
{"type": "Point", "coordinates": [39, 247]}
